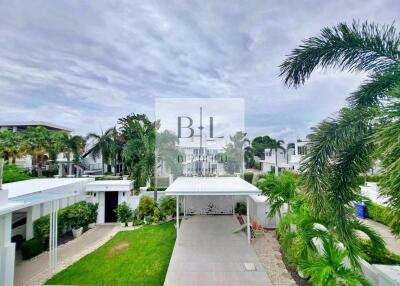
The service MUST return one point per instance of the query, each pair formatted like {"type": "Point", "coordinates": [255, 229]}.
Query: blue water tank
{"type": "Point", "coordinates": [361, 210]}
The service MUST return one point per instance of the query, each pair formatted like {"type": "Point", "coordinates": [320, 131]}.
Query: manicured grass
{"type": "Point", "coordinates": [138, 257]}
{"type": "Point", "coordinates": [13, 173]}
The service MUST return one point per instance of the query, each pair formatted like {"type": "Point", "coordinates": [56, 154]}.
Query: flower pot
{"type": "Point", "coordinates": [130, 223]}
{"type": "Point", "coordinates": [122, 224]}
{"type": "Point", "coordinates": [91, 225]}
{"type": "Point", "coordinates": [77, 232]}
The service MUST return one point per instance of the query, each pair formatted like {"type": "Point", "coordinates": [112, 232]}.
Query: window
{"type": "Point", "coordinates": [301, 150]}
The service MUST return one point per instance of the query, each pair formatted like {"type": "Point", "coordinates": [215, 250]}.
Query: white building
{"type": "Point", "coordinates": [288, 158]}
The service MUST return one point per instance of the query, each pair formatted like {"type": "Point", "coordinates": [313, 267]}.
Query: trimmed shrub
{"type": "Point", "coordinates": [41, 226]}
{"type": "Point", "coordinates": [32, 247]}
{"type": "Point", "coordinates": [241, 208]}
{"type": "Point", "coordinates": [168, 205]}
{"type": "Point", "coordinates": [248, 177]}
{"type": "Point", "coordinates": [77, 215]}
{"type": "Point", "coordinates": [13, 173]}
{"type": "Point", "coordinates": [378, 213]}
{"type": "Point", "coordinates": [146, 206]}
{"type": "Point", "coordinates": [124, 213]}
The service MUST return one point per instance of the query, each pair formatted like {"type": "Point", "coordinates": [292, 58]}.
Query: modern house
{"type": "Point", "coordinates": [288, 157]}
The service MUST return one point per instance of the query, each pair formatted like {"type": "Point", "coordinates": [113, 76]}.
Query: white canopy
{"type": "Point", "coordinates": [201, 186]}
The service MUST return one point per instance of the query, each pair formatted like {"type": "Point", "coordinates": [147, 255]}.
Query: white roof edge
{"type": "Point", "coordinates": [33, 122]}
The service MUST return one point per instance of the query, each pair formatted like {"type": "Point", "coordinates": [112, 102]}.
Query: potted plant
{"type": "Point", "coordinates": [123, 213]}
{"type": "Point", "coordinates": [78, 216]}
{"type": "Point", "coordinates": [92, 214]}
{"type": "Point", "coordinates": [130, 222]}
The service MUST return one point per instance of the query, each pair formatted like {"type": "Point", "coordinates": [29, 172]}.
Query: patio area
{"type": "Point", "coordinates": [208, 253]}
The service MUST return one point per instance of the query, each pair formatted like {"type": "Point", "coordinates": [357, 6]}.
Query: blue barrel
{"type": "Point", "coordinates": [361, 210]}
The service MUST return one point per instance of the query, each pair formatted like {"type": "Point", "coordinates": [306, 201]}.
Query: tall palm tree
{"type": "Point", "coordinates": [288, 147]}
{"type": "Point", "coordinates": [339, 148]}
{"type": "Point", "coordinates": [277, 144]}
{"type": "Point", "coordinates": [38, 142]}
{"type": "Point", "coordinates": [101, 146]}
{"type": "Point", "coordinates": [11, 145]}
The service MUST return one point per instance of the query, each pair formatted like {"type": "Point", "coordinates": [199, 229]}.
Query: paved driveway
{"type": "Point", "coordinates": [208, 253]}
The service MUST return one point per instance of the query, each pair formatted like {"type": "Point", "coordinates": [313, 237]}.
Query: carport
{"type": "Point", "coordinates": [225, 187]}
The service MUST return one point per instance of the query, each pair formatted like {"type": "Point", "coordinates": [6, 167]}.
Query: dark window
{"type": "Point", "coordinates": [19, 223]}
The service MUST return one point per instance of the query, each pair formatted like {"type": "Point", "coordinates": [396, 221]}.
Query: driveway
{"type": "Point", "coordinates": [208, 253]}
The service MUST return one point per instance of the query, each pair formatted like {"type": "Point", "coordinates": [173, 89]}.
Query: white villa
{"type": "Point", "coordinates": [288, 158]}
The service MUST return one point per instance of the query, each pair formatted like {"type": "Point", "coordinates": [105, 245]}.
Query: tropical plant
{"type": "Point", "coordinates": [92, 212]}
{"type": "Point", "coordinates": [168, 205]}
{"type": "Point", "coordinates": [70, 145]}
{"type": "Point", "coordinates": [340, 148]}
{"type": "Point", "coordinates": [234, 153]}
{"type": "Point", "coordinates": [275, 145]}
{"type": "Point", "coordinates": [280, 190]}
{"type": "Point", "coordinates": [124, 213]}
{"type": "Point", "coordinates": [138, 152]}
{"type": "Point", "coordinates": [101, 146]}
{"type": "Point", "coordinates": [330, 268]}
{"type": "Point", "coordinates": [77, 215]}
{"type": "Point", "coordinates": [146, 206]}
{"type": "Point", "coordinates": [11, 145]}
{"type": "Point", "coordinates": [259, 144]}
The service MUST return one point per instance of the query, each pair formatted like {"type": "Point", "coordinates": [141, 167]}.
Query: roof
{"type": "Point", "coordinates": [35, 123]}
{"type": "Point", "coordinates": [110, 185]}
{"type": "Point", "coordinates": [32, 192]}
{"type": "Point", "coordinates": [200, 186]}
{"type": "Point", "coordinates": [23, 188]}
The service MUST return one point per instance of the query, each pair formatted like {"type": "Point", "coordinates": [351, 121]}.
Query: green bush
{"type": "Point", "coordinates": [92, 212]}
{"type": "Point", "coordinates": [13, 173]}
{"type": "Point", "coordinates": [124, 213]}
{"type": "Point", "coordinates": [248, 177]}
{"type": "Point", "coordinates": [378, 213]}
{"type": "Point", "coordinates": [32, 247]}
{"type": "Point", "coordinates": [378, 257]}
{"type": "Point", "coordinates": [41, 226]}
{"type": "Point", "coordinates": [240, 208]}
{"type": "Point", "coordinates": [168, 205]}
{"type": "Point", "coordinates": [146, 206]}
{"type": "Point", "coordinates": [77, 215]}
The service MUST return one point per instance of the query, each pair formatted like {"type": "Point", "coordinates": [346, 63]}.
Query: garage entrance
{"type": "Point", "coordinates": [110, 204]}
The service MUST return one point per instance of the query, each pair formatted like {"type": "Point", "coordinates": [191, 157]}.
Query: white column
{"type": "Point", "coordinates": [177, 217]}
{"type": "Point", "coordinates": [248, 220]}
{"type": "Point", "coordinates": [51, 239]}
{"type": "Point", "coordinates": [233, 206]}
{"type": "Point", "coordinates": [184, 206]}
{"type": "Point", "coordinates": [32, 215]}
{"type": "Point", "coordinates": [7, 251]}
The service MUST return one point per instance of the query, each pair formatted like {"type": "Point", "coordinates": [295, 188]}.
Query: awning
{"type": "Point", "coordinates": [201, 186]}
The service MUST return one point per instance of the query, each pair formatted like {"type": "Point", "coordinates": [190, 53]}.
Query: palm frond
{"type": "Point", "coordinates": [359, 46]}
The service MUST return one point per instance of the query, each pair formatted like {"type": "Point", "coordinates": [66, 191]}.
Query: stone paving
{"type": "Point", "coordinates": [392, 243]}
{"type": "Point", "coordinates": [267, 249]}
{"type": "Point", "coordinates": [36, 272]}
{"type": "Point", "coordinates": [208, 253]}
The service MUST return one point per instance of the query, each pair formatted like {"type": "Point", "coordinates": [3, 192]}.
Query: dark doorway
{"type": "Point", "coordinates": [111, 202]}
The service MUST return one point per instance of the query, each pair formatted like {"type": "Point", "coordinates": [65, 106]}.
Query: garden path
{"type": "Point", "coordinates": [36, 272]}
{"type": "Point", "coordinates": [392, 243]}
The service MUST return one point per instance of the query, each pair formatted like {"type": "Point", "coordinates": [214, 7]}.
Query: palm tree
{"type": "Point", "coordinates": [277, 144]}
{"type": "Point", "coordinates": [11, 145]}
{"type": "Point", "coordinates": [339, 148]}
{"type": "Point", "coordinates": [288, 147]}
{"type": "Point", "coordinates": [101, 146]}
{"type": "Point", "coordinates": [329, 268]}
{"type": "Point", "coordinates": [280, 190]}
{"type": "Point", "coordinates": [234, 152]}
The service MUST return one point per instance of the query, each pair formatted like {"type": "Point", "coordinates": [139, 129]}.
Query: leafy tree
{"type": "Point", "coordinates": [340, 148]}
{"type": "Point", "coordinates": [11, 145]}
{"type": "Point", "coordinates": [70, 145]}
{"type": "Point", "coordinates": [167, 153]}
{"type": "Point", "coordinates": [259, 144]}
{"type": "Point", "coordinates": [277, 144]}
{"type": "Point", "coordinates": [234, 153]}
{"type": "Point", "coordinates": [102, 146]}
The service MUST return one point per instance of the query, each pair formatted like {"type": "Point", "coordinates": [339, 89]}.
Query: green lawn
{"type": "Point", "coordinates": [138, 257]}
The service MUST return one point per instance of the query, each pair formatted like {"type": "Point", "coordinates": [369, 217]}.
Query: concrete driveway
{"type": "Point", "coordinates": [208, 253]}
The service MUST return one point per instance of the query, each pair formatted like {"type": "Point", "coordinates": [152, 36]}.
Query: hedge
{"type": "Point", "coordinates": [248, 177]}
{"type": "Point", "coordinates": [32, 247]}
{"type": "Point", "coordinates": [13, 173]}
{"type": "Point", "coordinates": [378, 213]}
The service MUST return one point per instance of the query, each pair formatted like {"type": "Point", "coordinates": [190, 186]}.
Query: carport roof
{"type": "Point", "coordinates": [201, 186]}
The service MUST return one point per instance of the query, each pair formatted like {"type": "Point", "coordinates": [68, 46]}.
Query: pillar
{"type": "Point", "coordinates": [248, 220]}
{"type": "Point", "coordinates": [177, 217]}
{"type": "Point", "coordinates": [7, 251]}
{"type": "Point", "coordinates": [32, 214]}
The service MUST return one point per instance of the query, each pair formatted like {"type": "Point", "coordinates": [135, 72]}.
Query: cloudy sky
{"type": "Point", "coordinates": [83, 64]}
